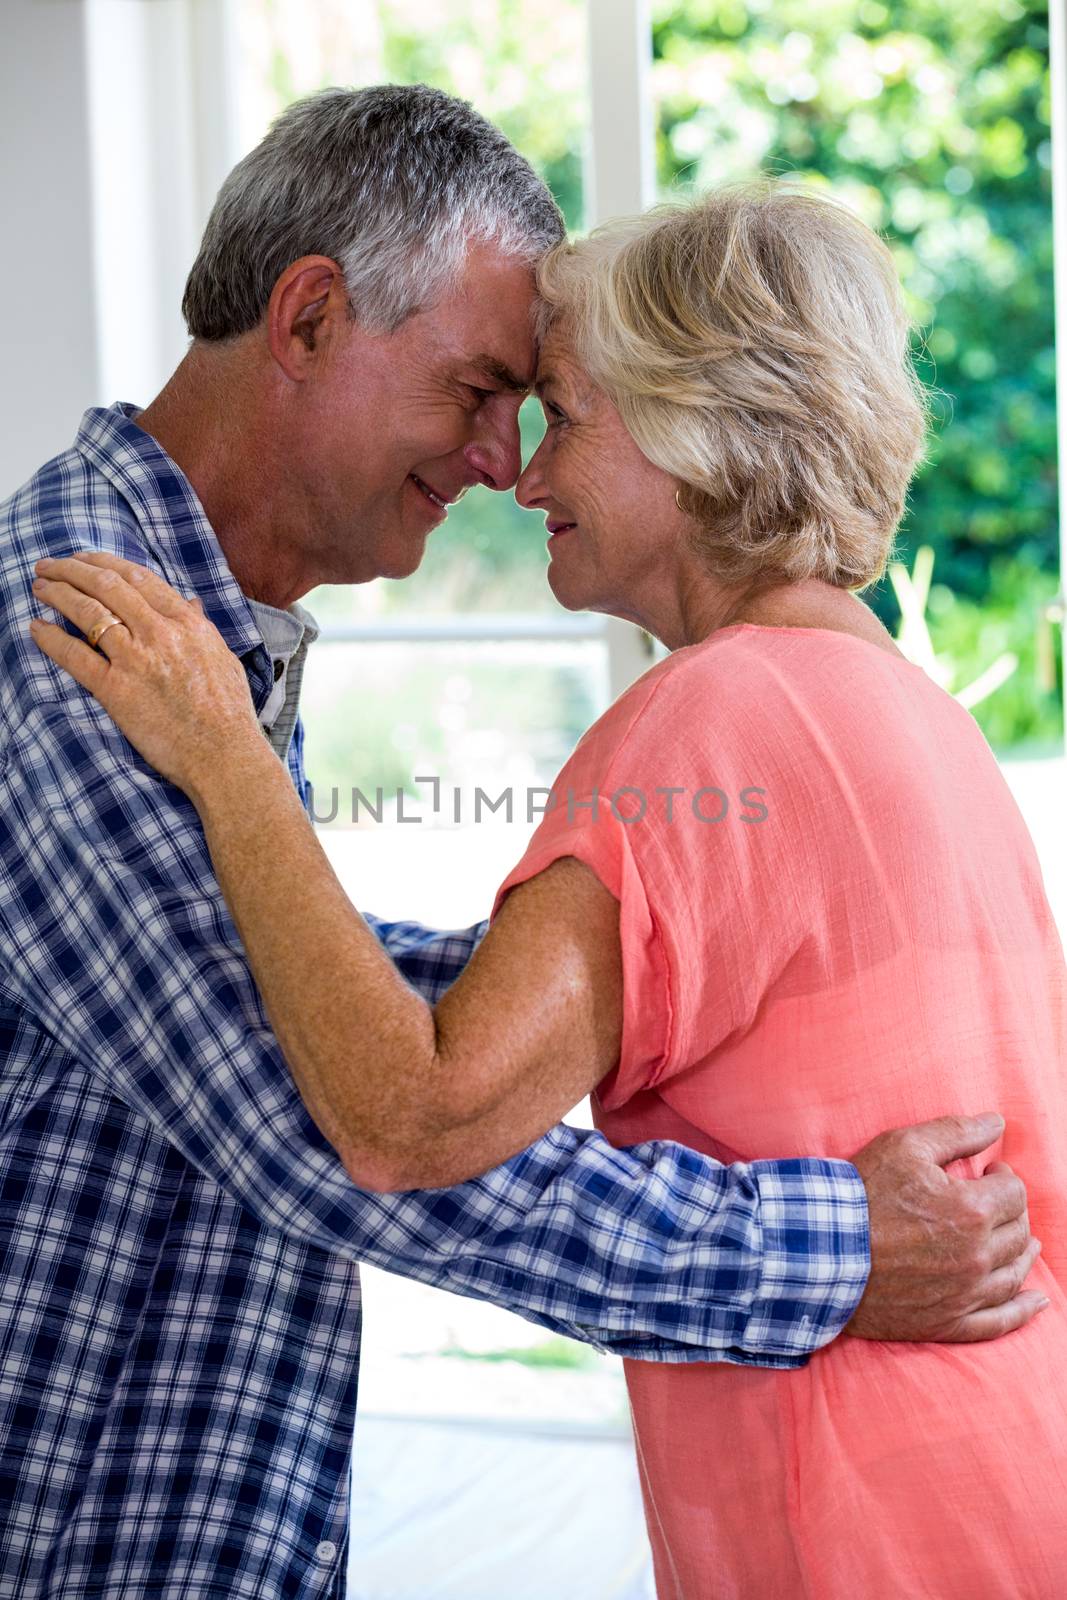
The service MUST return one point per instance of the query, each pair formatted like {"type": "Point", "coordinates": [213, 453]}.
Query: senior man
{"type": "Point", "coordinates": [180, 1341]}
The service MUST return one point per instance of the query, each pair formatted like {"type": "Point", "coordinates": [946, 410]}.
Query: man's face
{"type": "Point", "coordinates": [397, 426]}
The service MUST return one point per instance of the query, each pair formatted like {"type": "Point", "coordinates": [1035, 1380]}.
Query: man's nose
{"type": "Point", "coordinates": [496, 454]}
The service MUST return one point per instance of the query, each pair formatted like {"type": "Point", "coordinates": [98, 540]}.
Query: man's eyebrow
{"type": "Point", "coordinates": [502, 374]}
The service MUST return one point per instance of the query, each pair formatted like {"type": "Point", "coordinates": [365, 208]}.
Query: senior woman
{"type": "Point", "coordinates": [783, 897]}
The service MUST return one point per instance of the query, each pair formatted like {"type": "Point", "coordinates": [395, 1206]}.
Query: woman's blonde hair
{"type": "Point", "coordinates": [755, 343]}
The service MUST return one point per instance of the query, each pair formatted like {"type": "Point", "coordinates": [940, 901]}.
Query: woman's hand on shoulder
{"type": "Point", "coordinates": [161, 670]}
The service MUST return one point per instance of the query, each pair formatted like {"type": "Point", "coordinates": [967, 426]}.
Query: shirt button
{"type": "Point", "coordinates": [326, 1550]}
{"type": "Point", "coordinates": [279, 668]}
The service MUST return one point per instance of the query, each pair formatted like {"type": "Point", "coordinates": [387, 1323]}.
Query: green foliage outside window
{"type": "Point", "coordinates": [932, 120]}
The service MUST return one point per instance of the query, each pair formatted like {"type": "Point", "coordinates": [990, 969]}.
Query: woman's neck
{"type": "Point", "coordinates": [697, 607]}
{"type": "Point", "coordinates": [820, 605]}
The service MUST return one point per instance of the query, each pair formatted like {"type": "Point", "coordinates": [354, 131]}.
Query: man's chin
{"type": "Point", "coordinates": [401, 565]}
{"type": "Point", "coordinates": [401, 556]}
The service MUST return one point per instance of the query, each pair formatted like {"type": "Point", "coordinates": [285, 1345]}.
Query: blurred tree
{"type": "Point", "coordinates": [932, 120]}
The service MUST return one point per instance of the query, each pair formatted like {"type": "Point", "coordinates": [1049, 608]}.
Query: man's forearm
{"type": "Point", "coordinates": [777, 1252]}
{"type": "Point", "coordinates": [751, 1263]}
{"type": "Point", "coordinates": [758, 1263]}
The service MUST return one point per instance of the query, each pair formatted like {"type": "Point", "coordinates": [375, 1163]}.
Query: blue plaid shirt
{"type": "Point", "coordinates": [179, 1337]}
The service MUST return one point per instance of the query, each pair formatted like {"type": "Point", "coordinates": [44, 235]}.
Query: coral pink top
{"type": "Point", "coordinates": [863, 943]}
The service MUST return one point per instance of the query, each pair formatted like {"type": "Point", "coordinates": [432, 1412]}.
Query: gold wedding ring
{"type": "Point", "coordinates": [98, 629]}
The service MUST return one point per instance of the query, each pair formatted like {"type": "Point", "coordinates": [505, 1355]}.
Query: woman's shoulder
{"type": "Point", "coordinates": [715, 666]}
{"type": "Point", "coordinates": [750, 684]}
{"type": "Point", "coordinates": [668, 713]}
{"type": "Point", "coordinates": [644, 703]}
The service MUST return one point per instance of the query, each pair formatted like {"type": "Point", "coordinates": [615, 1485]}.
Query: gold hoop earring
{"type": "Point", "coordinates": [678, 501]}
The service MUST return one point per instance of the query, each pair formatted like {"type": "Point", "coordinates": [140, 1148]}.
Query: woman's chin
{"type": "Point", "coordinates": [570, 593]}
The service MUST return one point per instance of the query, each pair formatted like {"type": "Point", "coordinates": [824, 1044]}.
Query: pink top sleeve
{"type": "Point", "coordinates": [654, 802]}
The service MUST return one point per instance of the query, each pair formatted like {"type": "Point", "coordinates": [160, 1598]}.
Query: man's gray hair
{"type": "Point", "coordinates": [392, 183]}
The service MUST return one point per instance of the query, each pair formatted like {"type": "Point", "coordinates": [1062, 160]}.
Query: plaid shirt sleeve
{"type": "Point", "coordinates": [114, 936]}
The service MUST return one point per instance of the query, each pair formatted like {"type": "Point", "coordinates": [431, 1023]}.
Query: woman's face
{"type": "Point", "coordinates": [615, 528]}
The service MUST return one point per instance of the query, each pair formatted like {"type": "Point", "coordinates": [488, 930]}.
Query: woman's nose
{"type": "Point", "coordinates": [531, 489]}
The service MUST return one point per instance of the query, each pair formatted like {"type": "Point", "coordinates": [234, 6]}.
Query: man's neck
{"type": "Point", "coordinates": [233, 469]}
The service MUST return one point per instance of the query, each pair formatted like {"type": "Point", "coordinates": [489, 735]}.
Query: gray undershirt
{"type": "Point", "coordinates": [287, 635]}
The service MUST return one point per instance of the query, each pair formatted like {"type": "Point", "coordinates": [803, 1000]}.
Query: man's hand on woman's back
{"type": "Point", "coordinates": [948, 1255]}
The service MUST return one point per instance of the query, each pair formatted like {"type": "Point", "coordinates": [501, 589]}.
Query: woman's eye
{"type": "Point", "coordinates": [554, 417]}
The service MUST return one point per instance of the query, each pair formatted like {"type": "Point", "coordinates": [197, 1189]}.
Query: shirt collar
{"type": "Point", "coordinates": [173, 523]}
{"type": "Point", "coordinates": [283, 632]}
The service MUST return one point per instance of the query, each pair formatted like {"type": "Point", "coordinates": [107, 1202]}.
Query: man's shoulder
{"type": "Point", "coordinates": [65, 505]}
{"type": "Point", "coordinates": [66, 502]}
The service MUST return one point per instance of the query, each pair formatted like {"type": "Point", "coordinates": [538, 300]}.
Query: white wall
{"type": "Point", "coordinates": [115, 133]}
{"type": "Point", "coordinates": [47, 288]}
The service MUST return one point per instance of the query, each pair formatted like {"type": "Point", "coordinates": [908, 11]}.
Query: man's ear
{"type": "Point", "coordinates": [307, 304]}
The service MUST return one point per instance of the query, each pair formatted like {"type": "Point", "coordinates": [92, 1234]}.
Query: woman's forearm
{"type": "Point", "coordinates": [409, 1097]}
{"type": "Point", "coordinates": [361, 1045]}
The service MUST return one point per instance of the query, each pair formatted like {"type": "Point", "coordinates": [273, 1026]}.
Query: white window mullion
{"type": "Point", "coordinates": [213, 46]}
{"type": "Point", "coordinates": [161, 141]}
{"type": "Point", "coordinates": [47, 270]}
{"type": "Point", "coordinates": [620, 167]}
